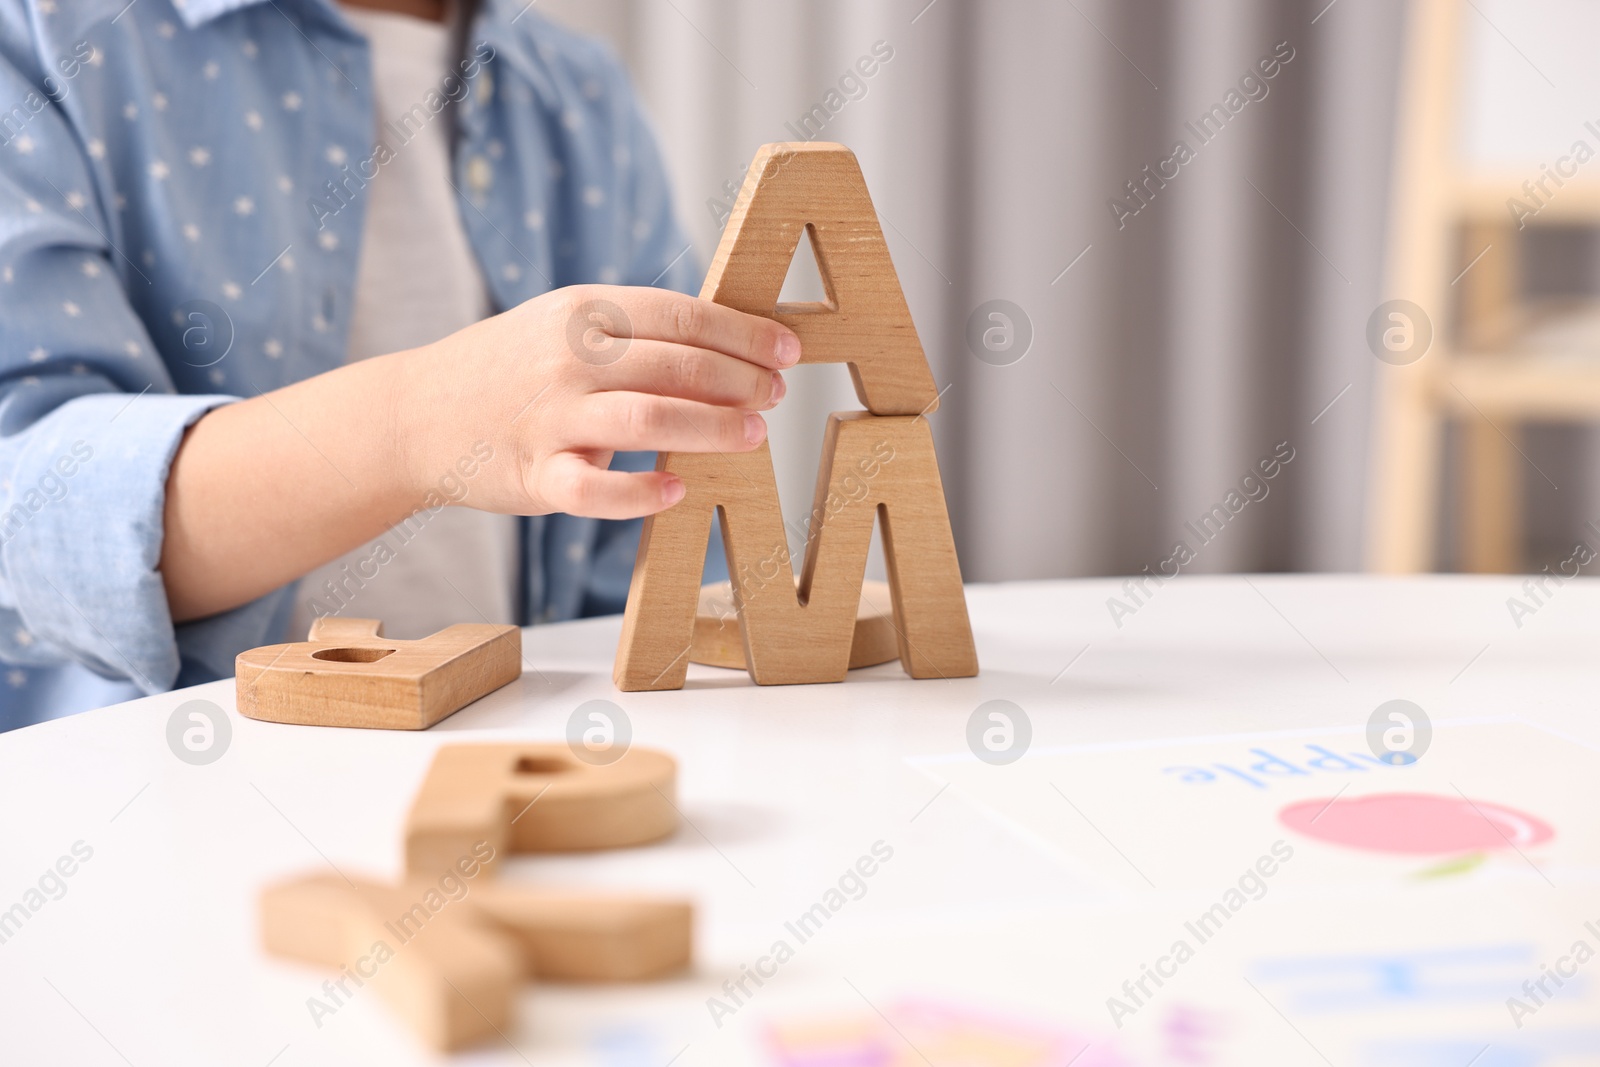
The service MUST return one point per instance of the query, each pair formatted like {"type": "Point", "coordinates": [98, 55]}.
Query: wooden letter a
{"type": "Point", "coordinates": [878, 463]}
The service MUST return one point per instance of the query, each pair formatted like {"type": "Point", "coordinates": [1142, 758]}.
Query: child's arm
{"type": "Point", "coordinates": [264, 490]}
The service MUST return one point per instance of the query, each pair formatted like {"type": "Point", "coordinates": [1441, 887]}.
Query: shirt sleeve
{"type": "Point", "coordinates": [89, 419]}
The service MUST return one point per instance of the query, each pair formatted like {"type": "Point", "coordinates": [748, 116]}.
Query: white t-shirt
{"type": "Point", "coordinates": [417, 281]}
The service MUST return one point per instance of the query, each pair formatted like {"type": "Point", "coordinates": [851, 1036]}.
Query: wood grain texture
{"type": "Point", "coordinates": [719, 639]}
{"type": "Point", "coordinates": [348, 674]}
{"type": "Point", "coordinates": [797, 635]}
{"type": "Point", "coordinates": [453, 954]}
{"type": "Point", "coordinates": [873, 467]}
{"type": "Point", "coordinates": [817, 188]}
{"type": "Point", "coordinates": [536, 798]}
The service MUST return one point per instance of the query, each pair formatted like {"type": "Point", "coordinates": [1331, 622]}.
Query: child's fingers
{"type": "Point", "coordinates": [616, 421]}
{"type": "Point", "coordinates": [694, 374]}
{"type": "Point", "coordinates": [662, 315]}
{"type": "Point", "coordinates": [572, 484]}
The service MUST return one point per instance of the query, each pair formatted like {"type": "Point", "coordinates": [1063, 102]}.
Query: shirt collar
{"type": "Point", "coordinates": [199, 12]}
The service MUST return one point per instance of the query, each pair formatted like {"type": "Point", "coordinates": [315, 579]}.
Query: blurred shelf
{"type": "Point", "coordinates": [1549, 370]}
{"type": "Point", "coordinates": [1484, 197]}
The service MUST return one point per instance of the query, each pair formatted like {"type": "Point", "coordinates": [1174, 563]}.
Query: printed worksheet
{"type": "Point", "coordinates": [1458, 973]}
{"type": "Point", "coordinates": [1486, 799]}
{"type": "Point", "coordinates": [1274, 898]}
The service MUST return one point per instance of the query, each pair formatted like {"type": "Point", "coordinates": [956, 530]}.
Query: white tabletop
{"type": "Point", "coordinates": [1019, 898]}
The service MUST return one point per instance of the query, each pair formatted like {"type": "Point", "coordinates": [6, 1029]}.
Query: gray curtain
{"type": "Point", "coordinates": [1172, 348]}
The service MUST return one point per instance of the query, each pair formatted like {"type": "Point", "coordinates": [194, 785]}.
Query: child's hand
{"type": "Point", "coordinates": [558, 384]}
{"type": "Point", "coordinates": [263, 490]}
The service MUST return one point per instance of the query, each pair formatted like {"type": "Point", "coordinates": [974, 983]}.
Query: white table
{"type": "Point", "coordinates": [1018, 900]}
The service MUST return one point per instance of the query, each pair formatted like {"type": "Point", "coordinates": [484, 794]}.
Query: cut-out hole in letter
{"type": "Point", "coordinates": [352, 655]}
{"type": "Point", "coordinates": [542, 765]}
{"type": "Point", "coordinates": [806, 288]}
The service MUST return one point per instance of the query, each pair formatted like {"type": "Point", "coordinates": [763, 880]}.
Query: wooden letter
{"type": "Point", "coordinates": [448, 975]}
{"type": "Point", "coordinates": [536, 798]}
{"type": "Point", "coordinates": [348, 674]}
{"type": "Point", "coordinates": [448, 955]}
{"type": "Point", "coordinates": [448, 945]}
{"type": "Point", "coordinates": [592, 937]}
{"type": "Point", "coordinates": [817, 189]}
{"type": "Point", "coordinates": [875, 464]}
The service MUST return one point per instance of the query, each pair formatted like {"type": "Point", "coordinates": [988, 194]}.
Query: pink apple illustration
{"type": "Point", "coordinates": [1416, 824]}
